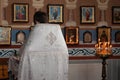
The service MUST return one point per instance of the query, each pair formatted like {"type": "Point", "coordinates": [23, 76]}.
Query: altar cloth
{"type": "Point", "coordinates": [45, 54]}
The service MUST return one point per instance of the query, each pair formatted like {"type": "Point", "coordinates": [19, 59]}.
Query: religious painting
{"type": "Point", "coordinates": [104, 34]}
{"type": "Point", "coordinates": [116, 14]}
{"type": "Point", "coordinates": [87, 14]}
{"type": "Point", "coordinates": [5, 35]}
{"type": "Point", "coordinates": [55, 13]}
{"type": "Point", "coordinates": [20, 12]}
{"type": "Point", "coordinates": [71, 35]}
{"type": "Point", "coordinates": [117, 36]}
{"type": "Point", "coordinates": [87, 37]}
{"type": "Point", "coordinates": [20, 37]}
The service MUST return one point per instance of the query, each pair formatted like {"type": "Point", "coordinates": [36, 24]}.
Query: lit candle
{"type": "Point", "coordinates": [99, 40]}
{"type": "Point", "coordinates": [110, 46]}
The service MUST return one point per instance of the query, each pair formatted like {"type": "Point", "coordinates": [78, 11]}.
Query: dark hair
{"type": "Point", "coordinates": [40, 17]}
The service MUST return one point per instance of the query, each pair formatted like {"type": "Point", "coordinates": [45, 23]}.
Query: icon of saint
{"type": "Point", "coordinates": [103, 37]}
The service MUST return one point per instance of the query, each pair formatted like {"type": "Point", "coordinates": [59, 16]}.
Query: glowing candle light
{"type": "Point", "coordinates": [103, 48]}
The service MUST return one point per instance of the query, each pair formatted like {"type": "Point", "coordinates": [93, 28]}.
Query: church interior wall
{"type": "Point", "coordinates": [25, 26]}
{"type": "Point", "coordinates": [82, 56]}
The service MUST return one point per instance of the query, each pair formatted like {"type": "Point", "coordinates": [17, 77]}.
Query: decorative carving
{"type": "Point", "coordinates": [70, 17]}
{"type": "Point", "coordinates": [4, 3]}
{"type": "Point", "coordinates": [71, 4]}
{"type": "Point", "coordinates": [102, 5]}
{"type": "Point", "coordinates": [38, 4]}
{"type": "Point", "coordinates": [71, 1]}
{"type": "Point", "coordinates": [102, 1]}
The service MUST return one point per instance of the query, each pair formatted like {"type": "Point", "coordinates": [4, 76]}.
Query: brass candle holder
{"type": "Point", "coordinates": [103, 50]}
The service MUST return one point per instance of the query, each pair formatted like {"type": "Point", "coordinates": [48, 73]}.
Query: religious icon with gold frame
{"type": "Point", "coordinates": [55, 13]}
{"type": "Point", "coordinates": [71, 35]}
{"type": "Point", "coordinates": [5, 35]}
{"type": "Point", "coordinates": [20, 37]}
{"type": "Point", "coordinates": [20, 12]}
{"type": "Point", "coordinates": [116, 14]}
{"type": "Point", "coordinates": [104, 34]}
{"type": "Point", "coordinates": [87, 14]}
{"type": "Point", "coordinates": [117, 36]}
{"type": "Point", "coordinates": [87, 37]}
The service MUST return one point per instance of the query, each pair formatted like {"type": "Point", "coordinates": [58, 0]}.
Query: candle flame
{"type": "Point", "coordinates": [103, 48]}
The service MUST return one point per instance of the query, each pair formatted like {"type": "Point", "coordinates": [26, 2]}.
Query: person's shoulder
{"type": "Point", "coordinates": [47, 24]}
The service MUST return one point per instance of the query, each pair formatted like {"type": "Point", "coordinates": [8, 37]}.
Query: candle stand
{"type": "Point", "coordinates": [104, 68]}
{"type": "Point", "coordinates": [103, 50]}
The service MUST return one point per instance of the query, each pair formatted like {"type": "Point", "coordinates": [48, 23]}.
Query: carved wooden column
{"type": "Point", "coordinates": [71, 5]}
{"type": "Point", "coordinates": [0, 13]}
{"type": "Point", "coordinates": [4, 4]}
{"type": "Point", "coordinates": [102, 5]}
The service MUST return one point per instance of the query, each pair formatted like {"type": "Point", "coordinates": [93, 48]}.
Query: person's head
{"type": "Point", "coordinates": [40, 17]}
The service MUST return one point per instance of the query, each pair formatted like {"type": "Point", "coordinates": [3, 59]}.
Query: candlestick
{"type": "Point", "coordinates": [103, 50]}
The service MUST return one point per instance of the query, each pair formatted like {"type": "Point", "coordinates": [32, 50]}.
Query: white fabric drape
{"type": "Point", "coordinates": [45, 55]}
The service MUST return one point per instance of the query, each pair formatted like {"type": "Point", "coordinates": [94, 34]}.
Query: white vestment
{"type": "Point", "coordinates": [45, 55]}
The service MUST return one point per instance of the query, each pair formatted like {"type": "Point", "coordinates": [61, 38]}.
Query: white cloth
{"type": "Point", "coordinates": [45, 55]}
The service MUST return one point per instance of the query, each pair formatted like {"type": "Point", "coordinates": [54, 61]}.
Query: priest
{"type": "Point", "coordinates": [45, 54]}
